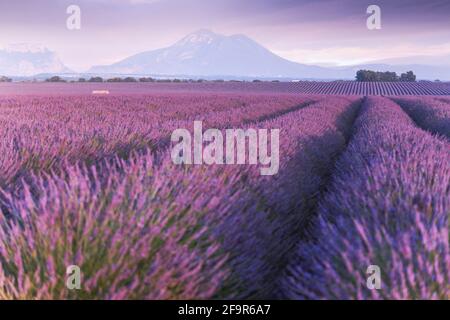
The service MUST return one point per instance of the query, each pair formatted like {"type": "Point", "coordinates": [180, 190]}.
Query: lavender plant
{"type": "Point", "coordinates": [39, 132]}
{"type": "Point", "coordinates": [430, 114]}
{"type": "Point", "coordinates": [144, 228]}
{"type": "Point", "coordinates": [388, 205]}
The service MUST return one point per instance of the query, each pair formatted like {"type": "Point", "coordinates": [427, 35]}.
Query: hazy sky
{"type": "Point", "coordinates": [308, 31]}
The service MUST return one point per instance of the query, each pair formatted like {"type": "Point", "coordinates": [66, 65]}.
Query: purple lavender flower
{"type": "Point", "coordinates": [388, 206]}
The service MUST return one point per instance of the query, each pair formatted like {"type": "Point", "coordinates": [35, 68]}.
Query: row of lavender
{"type": "Point", "coordinates": [143, 228]}
{"type": "Point", "coordinates": [430, 114]}
{"type": "Point", "coordinates": [370, 88]}
{"type": "Point", "coordinates": [425, 88]}
{"type": "Point", "coordinates": [202, 232]}
{"type": "Point", "coordinates": [387, 206]}
{"type": "Point", "coordinates": [40, 132]}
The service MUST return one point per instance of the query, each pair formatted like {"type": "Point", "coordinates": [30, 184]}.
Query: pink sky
{"type": "Point", "coordinates": [308, 31]}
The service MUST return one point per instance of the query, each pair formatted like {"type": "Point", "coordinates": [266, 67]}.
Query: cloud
{"type": "Point", "coordinates": [142, 1]}
{"type": "Point", "coordinates": [126, 2]}
{"type": "Point", "coordinates": [355, 55]}
{"type": "Point", "coordinates": [312, 31]}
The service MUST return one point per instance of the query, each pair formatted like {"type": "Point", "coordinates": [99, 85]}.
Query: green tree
{"type": "Point", "coordinates": [408, 77]}
{"type": "Point", "coordinates": [55, 79]}
{"type": "Point", "coordinates": [5, 79]}
{"type": "Point", "coordinates": [96, 79]}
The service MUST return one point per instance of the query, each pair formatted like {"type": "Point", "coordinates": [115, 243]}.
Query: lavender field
{"type": "Point", "coordinates": [424, 88]}
{"type": "Point", "coordinates": [88, 180]}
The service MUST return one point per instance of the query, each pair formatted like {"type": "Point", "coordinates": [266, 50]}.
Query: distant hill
{"type": "Point", "coordinates": [423, 72]}
{"type": "Point", "coordinates": [208, 54]}
{"type": "Point", "coordinates": [24, 61]}
{"type": "Point", "coordinates": [439, 61]}
{"type": "Point", "coordinates": [205, 53]}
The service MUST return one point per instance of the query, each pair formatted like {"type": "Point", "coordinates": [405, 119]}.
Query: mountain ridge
{"type": "Point", "coordinates": [205, 54]}
{"type": "Point", "coordinates": [28, 61]}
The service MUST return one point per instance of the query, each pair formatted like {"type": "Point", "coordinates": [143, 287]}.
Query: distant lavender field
{"type": "Point", "coordinates": [303, 87]}
{"type": "Point", "coordinates": [88, 180]}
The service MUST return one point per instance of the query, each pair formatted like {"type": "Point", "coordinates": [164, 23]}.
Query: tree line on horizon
{"type": "Point", "coordinates": [361, 76]}
{"type": "Point", "coordinates": [5, 79]}
{"type": "Point", "coordinates": [387, 76]}
{"type": "Point", "coordinates": [118, 79]}
{"type": "Point", "coordinates": [143, 79]}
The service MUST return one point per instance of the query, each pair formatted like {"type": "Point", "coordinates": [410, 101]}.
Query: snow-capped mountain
{"type": "Point", "coordinates": [210, 55]}
{"type": "Point", "coordinates": [205, 53]}
{"type": "Point", "coordinates": [29, 60]}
